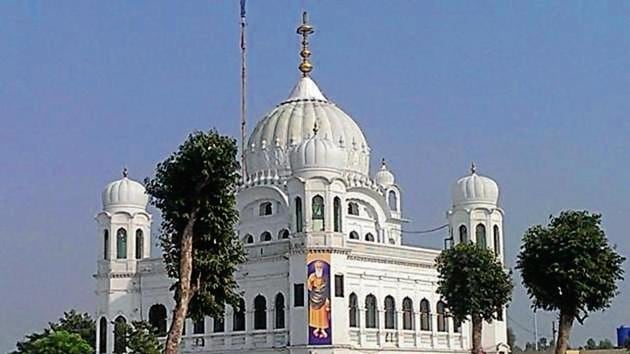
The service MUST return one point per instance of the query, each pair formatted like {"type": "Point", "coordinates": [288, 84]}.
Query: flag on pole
{"type": "Point", "coordinates": [243, 91]}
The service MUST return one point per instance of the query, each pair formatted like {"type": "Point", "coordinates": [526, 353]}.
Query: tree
{"type": "Point", "coordinates": [61, 342]}
{"type": "Point", "coordinates": [542, 344]}
{"type": "Point", "coordinates": [71, 322]}
{"type": "Point", "coordinates": [530, 347]}
{"type": "Point", "coordinates": [142, 339]}
{"type": "Point", "coordinates": [511, 338]}
{"type": "Point", "coordinates": [473, 284]}
{"type": "Point", "coordinates": [195, 189]}
{"type": "Point", "coordinates": [568, 266]}
{"type": "Point", "coordinates": [590, 344]}
{"type": "Point", "coordinates": [605, 344]}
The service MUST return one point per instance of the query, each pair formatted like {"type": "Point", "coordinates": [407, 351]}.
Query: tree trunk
{"type": "Point", "coordinates": [477, 323]}
{"type": "Point", "coordinates": [564, 330]}
{"type": "Point", "coordinates": [186, 291]}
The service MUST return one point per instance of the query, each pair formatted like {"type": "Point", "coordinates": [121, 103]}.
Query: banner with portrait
{"type": "Point", "coordinates": [318, 284]}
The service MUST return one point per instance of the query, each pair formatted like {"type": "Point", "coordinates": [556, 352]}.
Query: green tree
{"type": "Point", "coordinates": [71, 322]}
{"type": "Point", "coordinates": [605, 344]}
{"type": "Point", "coordinates": [542, 344]}
{"type": "Point", "coordinates": [568, 266]}
{"type": "Point", "coordinates": [142, 339]}
{"type": "Point", "coordinates": [474, 285]}
{"type": "Point", "coordinates": [511, 338]}
{"type": "Point", "coordinates": [195, 189]}
{"type": "Point", "coordinates": [530, 347]}
{"type": "Point", "coordinates": [61, 342]}
{"type": "Point", "coordinates": [590, 344]}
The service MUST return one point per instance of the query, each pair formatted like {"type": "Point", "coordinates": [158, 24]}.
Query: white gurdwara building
{"type": "Point", "coordinates": [326, 270]}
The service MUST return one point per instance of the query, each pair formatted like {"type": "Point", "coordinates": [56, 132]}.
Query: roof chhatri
{"type": "Point", "coordinates": [305, 29]}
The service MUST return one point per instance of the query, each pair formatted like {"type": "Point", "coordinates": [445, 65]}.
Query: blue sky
{"type": "Point", "coordinates": [536, 93]}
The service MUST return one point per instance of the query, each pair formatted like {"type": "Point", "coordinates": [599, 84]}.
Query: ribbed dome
{"type": "Point", "coordinates": [384, 177]}
{"type": "Point", "coordinates": [292, 121]}
{"type": "Point", "coordinates": [319, 153]}
{"type": "Point", "coordinates": [474, 189]}
{"type": "Point", "coordinates": [125, 193]}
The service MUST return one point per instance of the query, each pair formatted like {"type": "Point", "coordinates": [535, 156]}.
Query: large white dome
{"type": "Point", "coordinates": [475, 189]}
{"type": "Point", "coordinates": [292, 121]}
{"type": "Point", "coordinates": [125, 193]}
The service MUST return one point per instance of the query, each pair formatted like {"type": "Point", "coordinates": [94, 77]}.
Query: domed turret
{"type": "Point", "coordinates": [125, 193]}
{"type": "Point", "coordinates": [475, 189]}
{"type": "Point", "coordinates": [384, 177]}
{"type": "Point", "coordinates": [317, 153]}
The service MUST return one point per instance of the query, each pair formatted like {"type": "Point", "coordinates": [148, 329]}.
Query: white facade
{"type": "Point", "coordinates": [308, 193]}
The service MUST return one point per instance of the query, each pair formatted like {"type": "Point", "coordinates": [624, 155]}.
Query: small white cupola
{"type": "Point", "coordinates": [475, 189]}
{"type": "Point", "coordinates": [317, 153]}
{"type": "Point", "coordinates": [384, 177]}
{"type": "Point", "coordinates": [125, 193]}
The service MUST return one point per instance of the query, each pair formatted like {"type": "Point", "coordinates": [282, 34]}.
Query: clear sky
{"type": "Point", "coordinates": [536, 93]}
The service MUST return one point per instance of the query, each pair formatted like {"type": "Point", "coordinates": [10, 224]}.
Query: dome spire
{"type": "Point", "coordinates": [125, 172]}
{"type": "Point", "coordinates": [305, 29]}
{"type": "Point", "coordinates": [473, 168]}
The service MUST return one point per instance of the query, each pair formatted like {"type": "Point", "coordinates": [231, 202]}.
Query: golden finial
{"type": "Point", "coordinates": [305, 30]}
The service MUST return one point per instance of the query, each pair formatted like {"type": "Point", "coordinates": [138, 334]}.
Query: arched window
{"type": "Point", "coordinates": [139, 244]}
{"type": "Point", "coordinates": [390, 313]}
{"type": "Point", "coordinates": [299, 218]}
{"type": "Point", "coordinates": [318, 213]}
{"type": "Point", "coordinates": [157, 319]}
{"type": "Point", "coordinates": [425, 315]}
{"type": "Point", "coordinates": [407, 307]}
{"type": "Point", "coordinates": [392, 200]}
{"type": "Point", "coordinates": [102, 335]}
{"type": "Point", "coordinates": [120, 335]}
{"type": "Point", "coordinates": [497, 240]}
{"type": "Point", "coordinates": [480, 233]}
{"type": "Point", "coordinates": [248, 239]}
{"type": "Point", "coordinates": [353, 311]}
{"type": "Point", "coordinates": [265, 236]}
{"type": "Point", "coordinates": [283, 234]}
{"type": "Point", "coordinates": [260, 312]}
{"type": "Point", "coordinates": [353, 208]}
{"type": "Point", "coordinates": [369, 237]}
{"type": "Point", "coordinates": [199, 326]}
{"type": "Point", "coordinates": [457, 326]}
{"type": "Point", "coordinates": [121, 243]}
{"type": "Point", "coordinates": [354, 235]}
{"type": "Point", "coordinates": [279, 309]}
{"type": "Point", "coordinates": [218, 324]}
{"type": "Point", "coordinates": [441, 317]}
{"type": "Point", "coordinates": [371, 316]}
{"type": "Point", "coordinates": [265, 209]}
{"type": "Point", "coordinates": [238, 317]}
{"type": "Point", "coordinates": [463, 234]}
{"type": "Point", "coordinates": [337, 214]}
{"type": "Point", "coordinates": [105, 244]}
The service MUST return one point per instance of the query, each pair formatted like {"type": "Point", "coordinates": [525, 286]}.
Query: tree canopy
{"type": "Point", "coordinates": [195, 189]}
{"type": "Point", "coordinates": [474, 285]}
{"type": "Point", "coordinates": [71, 322]}
{"type": "Point", "coordinates": [142, 339]}
{"type": "Point", "coordinates": [61, 342]}
{"type": "Point", "coordinates": [568, 266]}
